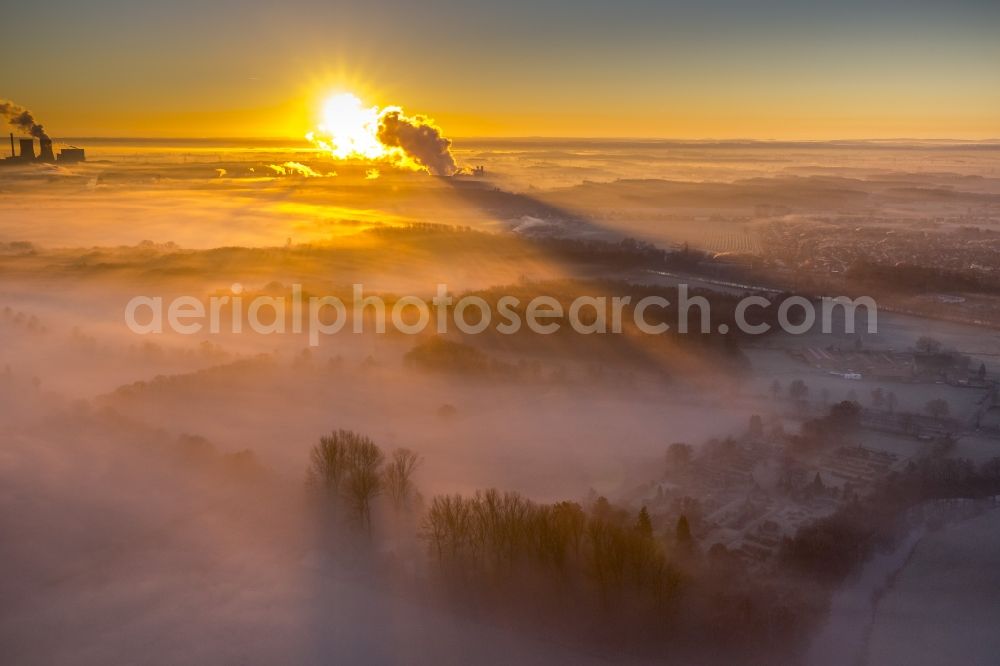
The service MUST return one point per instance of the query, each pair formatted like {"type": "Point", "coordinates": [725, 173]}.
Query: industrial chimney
{"type": "Point", "coordinates": [27, 149]}
{"type": "Point", "coordinates": [45, 150]}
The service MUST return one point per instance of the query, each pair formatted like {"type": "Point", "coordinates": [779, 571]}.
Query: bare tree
{"type": "Point", "coordinates": [364, 482]}
{"type": "Point", "coordinates": [643, 524]}
{"type": "Point", "coordinates": [347, 465]}
{"type": "Point", "coordinates": [684, 540]}
{"type": "Point", "coordinates": [498, 534]}
{"type": "Point", "coordinates": [328, 463]}
{"type": "Point", "coordinates": [398, 476]}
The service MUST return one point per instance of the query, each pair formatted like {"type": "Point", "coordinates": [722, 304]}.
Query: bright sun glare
{"type": "Point", "coordinates": [349, 129]}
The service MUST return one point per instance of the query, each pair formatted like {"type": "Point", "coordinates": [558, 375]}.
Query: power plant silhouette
{"type": "Point", "coordinates": [45, 154]}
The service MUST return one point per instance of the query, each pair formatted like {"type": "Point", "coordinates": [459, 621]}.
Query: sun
{"type": "Point", "coordinates": [349, 128]}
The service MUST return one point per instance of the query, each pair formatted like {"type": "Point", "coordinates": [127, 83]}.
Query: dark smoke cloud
{"type": "Point", "coordinates": [20, 117]}
{"type": "Point", "coordinates": [419, 139]}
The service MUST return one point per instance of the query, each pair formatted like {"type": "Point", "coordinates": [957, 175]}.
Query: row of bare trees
{"type": "Point", "coordinates": [348, 467]}
{"type": "Point", "coordinates": [500, 533]}
{"type": "Point", "coordinates": [599, 572]}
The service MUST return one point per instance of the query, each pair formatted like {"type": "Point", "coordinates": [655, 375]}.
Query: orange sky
{"type": "Point", "coordinates": [638, 68]}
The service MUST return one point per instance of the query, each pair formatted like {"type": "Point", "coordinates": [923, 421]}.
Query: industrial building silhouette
{"type": "Point", "coordinates": [45, 154]}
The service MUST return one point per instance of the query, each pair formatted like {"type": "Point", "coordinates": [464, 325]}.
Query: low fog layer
{"type": "Point", "coordinates": [153, 500]}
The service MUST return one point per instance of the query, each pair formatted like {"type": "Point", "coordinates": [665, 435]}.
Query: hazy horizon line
{"type": "Point", "coordinates": [272, 140]}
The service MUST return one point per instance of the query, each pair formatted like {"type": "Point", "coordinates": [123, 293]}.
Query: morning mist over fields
{"type": "Point", "coordinates": [548, 333]}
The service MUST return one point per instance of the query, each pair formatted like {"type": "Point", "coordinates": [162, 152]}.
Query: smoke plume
{"type": "Point", "coordinates": [20, 117]}
{"type": "Point", "coordinates": [297, 169]}
{"type": "Point", "coordinates": [418, 138]}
